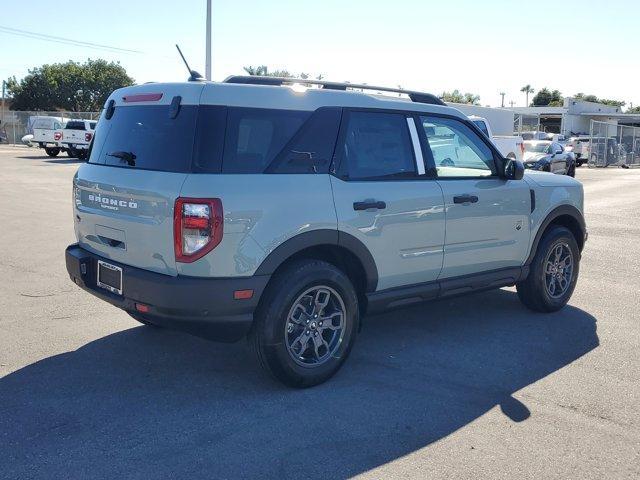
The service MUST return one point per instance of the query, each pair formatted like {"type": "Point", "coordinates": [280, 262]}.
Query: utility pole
{"type": "Point", "coordinates": [207, 68]}
{"type": "Point", "coordinates": [502, 94]}
{"type": "Point", "coordinates": [4, 86]}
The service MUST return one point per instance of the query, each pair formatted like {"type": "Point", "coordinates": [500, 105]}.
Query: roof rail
{"type": "Point", "coordinates": [419, 97]}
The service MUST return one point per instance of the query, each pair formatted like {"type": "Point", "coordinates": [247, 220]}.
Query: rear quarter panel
{"type": "Point", "coordinates": [260, 212]}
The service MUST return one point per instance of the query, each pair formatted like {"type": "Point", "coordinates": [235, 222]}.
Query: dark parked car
{"type": "Point", "coordinates": [549, 156]}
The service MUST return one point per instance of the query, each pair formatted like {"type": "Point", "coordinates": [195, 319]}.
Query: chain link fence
{"type": "Point", "coordinates": [15, 125]}
{"type": "Point", "coordinates": [611, 144]}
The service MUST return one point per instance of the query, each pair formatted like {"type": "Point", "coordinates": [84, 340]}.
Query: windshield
{"type": "Point", "coordinates": [536, 147]}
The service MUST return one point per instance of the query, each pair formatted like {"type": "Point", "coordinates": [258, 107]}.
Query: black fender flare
{"type": "Point", "coordinates": [562, 210]}
{"type": "Point", "coordinates": [322, 237]}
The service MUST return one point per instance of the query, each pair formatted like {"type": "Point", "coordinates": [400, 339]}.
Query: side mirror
{"type": "Point", "coordinates": [513, 169]}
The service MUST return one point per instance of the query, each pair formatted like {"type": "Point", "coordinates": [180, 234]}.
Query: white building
{"type": "Point", "coordinates": [574, 117]}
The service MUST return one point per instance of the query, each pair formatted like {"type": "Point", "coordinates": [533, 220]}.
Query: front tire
{"type": "Point", "coordinates": [306, 323]}
{"type": "Point", "coordinates": [52, 152]}
{"type": "Point", "coordinates": [554, 272]}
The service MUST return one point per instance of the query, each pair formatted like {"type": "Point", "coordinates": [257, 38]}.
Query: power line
{"type": "Point", "coordinates": [65, 41]}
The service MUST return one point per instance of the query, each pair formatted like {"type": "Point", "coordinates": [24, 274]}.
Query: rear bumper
{"type": "Point", "coordinates": [75, 146]}
{"type": "Point", "coordinates": [201, 306]}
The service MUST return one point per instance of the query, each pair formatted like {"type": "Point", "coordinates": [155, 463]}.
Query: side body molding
{"type": "Point", "coordinates": [318, 238]}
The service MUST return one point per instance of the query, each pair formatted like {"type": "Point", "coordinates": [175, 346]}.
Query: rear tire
{"type": "Point", "coordinates": [52, 152]}
{"type": "Point", "coordinates": [306, 323]}
{"type": "Point", "coordinates": [553, 272]}
{"type": "Point", "coordinates": [72, 153]}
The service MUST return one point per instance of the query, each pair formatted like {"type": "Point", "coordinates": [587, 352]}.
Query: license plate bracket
{"type": "Point", "coordinates": [109, 277]}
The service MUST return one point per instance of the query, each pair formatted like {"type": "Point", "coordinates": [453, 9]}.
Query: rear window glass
{"type": "Point", "coordinates": [311, 149]}
{"type": "Point", "coordinates": [43, 124]}
{"type": "Point", "coordinates": [254, 136]}
{"type": "Point", "coordinates": [74, 125]}
{"type": "Point", "coordinates": [146, 137]}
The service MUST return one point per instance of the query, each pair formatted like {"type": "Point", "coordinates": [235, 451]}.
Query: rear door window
{"type": "Point", "coordinates": [254, 136]}
{"type": "Point", "coordinates": [376, 146]}
{"type": "Point", "coordinates": [146, 137]}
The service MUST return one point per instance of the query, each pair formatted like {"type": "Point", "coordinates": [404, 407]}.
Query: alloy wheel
{"type": "Point", "coordinates": [315, 326]}
{"type": "Point", "coordinates": [558, 270]}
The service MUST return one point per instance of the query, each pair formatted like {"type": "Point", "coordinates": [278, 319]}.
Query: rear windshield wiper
{"type": "Point", "coordinates": [128, 157]}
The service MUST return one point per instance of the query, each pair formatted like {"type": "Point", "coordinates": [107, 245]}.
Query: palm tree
{"type": "Point", "coordinates": [527, 89]}
{"type": "Point", "coordinates": [260, 71]}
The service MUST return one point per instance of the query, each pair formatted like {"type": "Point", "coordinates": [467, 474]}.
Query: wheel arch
{"type": "Point", "coordinates": [566, 216]}
{"type": "Point", "coordinates": [336, 247]}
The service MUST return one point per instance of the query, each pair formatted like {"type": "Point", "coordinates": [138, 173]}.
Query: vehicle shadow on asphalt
{"type": "Point", "coordinates": [58, 161]}
{"type": "Point", "coordinates": [149, 403]}
{"type": "Point", "coordinates": [64, 161]}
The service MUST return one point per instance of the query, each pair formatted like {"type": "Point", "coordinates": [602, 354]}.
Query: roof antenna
{"type": "Point", "coordinates": [193, 75]}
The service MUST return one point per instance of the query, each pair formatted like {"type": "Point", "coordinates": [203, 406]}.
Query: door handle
{"type": "Point", "coordinates": [465, 199]}
{"type": "Point", "coordinates": [367, 204]}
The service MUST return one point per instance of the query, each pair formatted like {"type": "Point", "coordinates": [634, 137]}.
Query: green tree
{"type": "Point", "coordinates": [263, 71]}
{"type": "Point", "coordinates": [458, 97]}
{"type": "Point", "coordinates": [527, 89]}
{"type": "Point", "coordinates": [633, 110]}
{"type": "Point", "coordinates": [68, 86]}
{"type": "Point", "coordinates": [594, 99]}
{"type": "Point", "coordinates": [546, 97]}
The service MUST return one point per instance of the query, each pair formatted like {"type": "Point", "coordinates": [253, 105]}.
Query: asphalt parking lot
{"type": "Point", "coordinates": [473, 387]}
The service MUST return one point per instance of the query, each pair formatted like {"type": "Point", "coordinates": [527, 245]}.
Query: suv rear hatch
{"type": "Point", "coordinates": [140, 157]}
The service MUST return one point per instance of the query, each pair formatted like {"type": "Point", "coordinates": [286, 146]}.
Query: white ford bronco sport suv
{"type": "Point", "coordinates": [257, 208]}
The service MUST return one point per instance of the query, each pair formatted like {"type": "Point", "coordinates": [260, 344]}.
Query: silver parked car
{"type": "Point", "coordinates": [251, 209]}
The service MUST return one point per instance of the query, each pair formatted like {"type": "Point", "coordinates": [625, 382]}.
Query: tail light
{"type": "Point", "coordinates": [57, 136]}
{"type": "Point", "coordinates": [88, 136]}
{"type": "Point", "coordinates": [522, 148]}
{"type": "Point", "coordinates": [197, 227]}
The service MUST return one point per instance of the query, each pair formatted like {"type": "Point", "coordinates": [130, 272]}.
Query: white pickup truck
{"type": "Point", "coordinates": [76, 137]}
{"type": "Point", "coordinates": [511, 146]}
{"type": "Point", "coordinates": [44, 133]}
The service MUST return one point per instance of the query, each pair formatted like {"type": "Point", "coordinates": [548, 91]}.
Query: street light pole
{"type": "Point", "coordinates": [207, 67]}
{"type": "Point", "coordinates": [4, 86]}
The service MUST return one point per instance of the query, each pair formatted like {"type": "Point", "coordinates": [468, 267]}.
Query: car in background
{"type": "Point", "coordinates": [547, 156]}
{"type": "Point", "coordinates": [44, 132]}
{"type": "Point", "coordinates": [76, 137]}
{"type": "Point", "coordinates": [510, 146]}
{"type": "Point", "coordinates": [579, 145]}
{"type": "Point", "coordinates": [534, 135]}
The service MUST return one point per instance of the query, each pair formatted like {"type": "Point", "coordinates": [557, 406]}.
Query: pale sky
{"type": "Point", "coordinates": [482, 47]}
